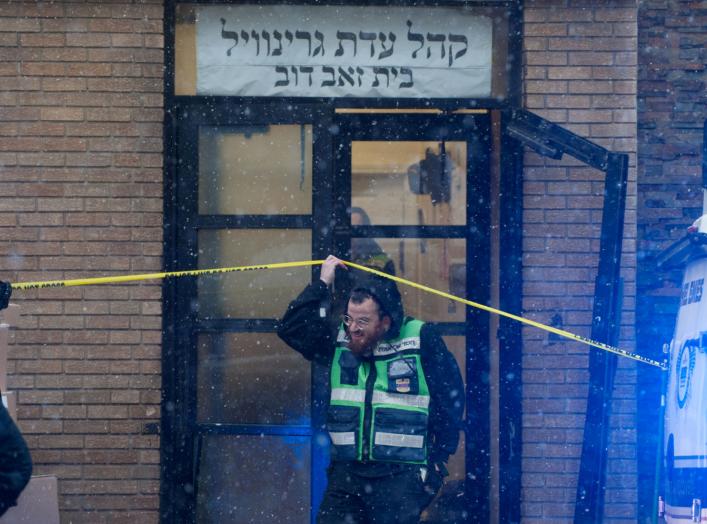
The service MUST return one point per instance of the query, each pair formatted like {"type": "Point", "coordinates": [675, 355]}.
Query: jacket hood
{"type": "Point", "coordinates": [388, 296]}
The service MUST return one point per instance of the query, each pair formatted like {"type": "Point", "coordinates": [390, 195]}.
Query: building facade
{"type": "Point", "coordinates": [156, 399]}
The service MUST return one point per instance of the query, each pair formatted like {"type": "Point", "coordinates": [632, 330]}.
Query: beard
{"type": "Point", "coordinates": [361, 345]}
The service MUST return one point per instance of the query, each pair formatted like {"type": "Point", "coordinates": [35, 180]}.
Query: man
{"type": "Point", "coordinates": [15, 460]}
{"type": "Point", "coordinates": [395, 403]}
{"type": "Point", "coordinates": [366, 251]}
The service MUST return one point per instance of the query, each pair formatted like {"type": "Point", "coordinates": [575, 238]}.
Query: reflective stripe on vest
{"type": "Point", "coordinates": [348, 395]}
{"type": "Point", "coordinates": [343, 438]}
{"type": "Point", "coordinates": [400, 399]}
{"type": "Point", "coordinates": [380, 397]}
{"type": "Point", "coordinates": [398, 440]}
{"type": "Point", "coordinates": [397, 416]}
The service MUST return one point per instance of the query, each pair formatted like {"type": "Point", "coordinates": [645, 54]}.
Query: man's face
{"type": "Point", "coordinates": [356, 219]}
{"type": "Point", "coordinates": [365, 328]}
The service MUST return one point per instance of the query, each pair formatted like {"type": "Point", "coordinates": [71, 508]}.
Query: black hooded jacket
{"type": "Point", "coordinates": [307, 329]}
{"type": "Point", "coordinates": [15, 460]}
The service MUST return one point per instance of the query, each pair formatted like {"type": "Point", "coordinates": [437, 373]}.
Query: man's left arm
{"type": "Point", "coordinates": [446, 395]}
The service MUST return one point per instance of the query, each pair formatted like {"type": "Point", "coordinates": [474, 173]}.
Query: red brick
{"type": "Point", "coordinates": [127, 40]}
{"type": "Point", "coordinates": [590, 29]}
{"type": "Point", "coordinates": [62, 113]}
{"type": "Point", "coordinates": [88, 40]}
{"type": "Point", "coordinates": [42, 39]}
{"type": "Point", "coordinates": [43, 69]}
{"type": "Point", "coordinates": [19, 24]}
{"type": "Point", "coordinates": [591, 58]}
{"type": "Point", "coordinates": [548, 87]}
{"type": "Point", "coordinates": [569, 72]}
{"type": "Point", "coordinates": [65, 54]}
{"type": "Point", "coordinates": [615, 14]}
{"type": "Point", "coordinates": [546, 29]}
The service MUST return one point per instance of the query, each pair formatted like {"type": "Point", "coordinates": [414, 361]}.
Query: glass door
{"type": "Point", "coordinates": [242, 400]}
{"type": "Point", "coordinates": [413, 200]}
{"type": "Point", "coordinates": [243, 438]}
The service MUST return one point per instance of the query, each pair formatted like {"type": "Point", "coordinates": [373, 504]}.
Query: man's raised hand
{"type": "Point", "coordinates": [328, 271]}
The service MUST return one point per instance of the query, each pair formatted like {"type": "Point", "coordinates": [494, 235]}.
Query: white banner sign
{"type": "Point", "coordinates": [338, 51]}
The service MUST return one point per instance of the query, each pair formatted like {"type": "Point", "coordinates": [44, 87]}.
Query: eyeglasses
{"type": "Point", "coordinates": [349, 321]}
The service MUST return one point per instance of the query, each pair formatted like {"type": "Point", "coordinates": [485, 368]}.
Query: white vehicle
{"type": "Point", "coordinates": [685, 425]}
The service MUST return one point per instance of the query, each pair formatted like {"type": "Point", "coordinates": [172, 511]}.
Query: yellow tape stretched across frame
{"type": "Point", "coordinates": [282, 265]}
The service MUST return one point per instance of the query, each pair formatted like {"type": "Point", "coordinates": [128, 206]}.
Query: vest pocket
{"type": "Point", "coordinates": [342, 424]}
{"type": "Point", "coordinates": [399, 435]}
{"type": "Point", "coordinates": [402, 376]}
{"type": "Point", "coordinates": [349, 364]}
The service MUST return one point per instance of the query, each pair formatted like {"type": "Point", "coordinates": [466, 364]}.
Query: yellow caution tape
{"type": "Point", "coordinates": [560, 332]}
{"type": "Point", "coordinates": [154, 276]}
{"type": "Point", "coordinates": [281, 265]}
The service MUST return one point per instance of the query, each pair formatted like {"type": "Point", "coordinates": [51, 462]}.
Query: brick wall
{"type": "Point", "coordinates": [671, 113]}
{"type": "Point", "coordinates": [81, 178]}
{"type": "Point", "coordinates": [580, 72]}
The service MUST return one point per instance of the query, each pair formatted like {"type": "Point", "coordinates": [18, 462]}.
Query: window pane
{"type": "Point", "coordinates": [254, 294]}
{"type": "Point", "coordinates": [185, 51]}
{"type": "Point", "coordinates": [439, 263]}
{"type": "Point", "coordinates": [251, 378]}
{"type": "Point", "coordinates": [409, 182]}
{"type": "Point", "coordinates": [245, 479]}
{"type": "Point", "coordinates": [255, 170]}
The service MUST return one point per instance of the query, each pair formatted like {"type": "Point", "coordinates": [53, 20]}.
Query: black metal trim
{"type": "Point", "coordinates": [236, 325]}
{"type": "Point", "coordinates": [515, 57]}
{"type": "Point", "coordinates": [445, 105]}
{"type": "Point", "coordinates": [174, 502]}
{"type": "Point", "coordinates": [549, 139]}
{"type": "Point", "coordinates": [477, 425]}
{"type": "Point", "coordinates": [184, 402]}
{"type": "Point", "coordinates": [409, 231]}
{"type": "Point", "coordinates": [510, 360]}
{"type": "Point", "coordinates": [589, 504]}
{"type": "Point", "coordinates": [254, 221]}
{"type": "Point", "coordinates": [253, 429]}
{"type": "Point", "coordinates": [406, 126]}
{"type": "Point", "coordinates": [267, 325]}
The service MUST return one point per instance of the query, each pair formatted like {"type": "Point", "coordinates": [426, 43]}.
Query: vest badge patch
{"type": "Point", "coordinates": [402, 385]}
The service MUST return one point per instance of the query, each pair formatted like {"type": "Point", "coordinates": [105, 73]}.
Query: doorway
{"type": "Point", "coordinates": [405, 192]}
{"type": "Point", "coordinates": [413, 199]}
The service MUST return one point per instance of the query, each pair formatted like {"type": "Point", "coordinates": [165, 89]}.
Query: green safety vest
{"type": "Point", "coordinates": [378, 408]}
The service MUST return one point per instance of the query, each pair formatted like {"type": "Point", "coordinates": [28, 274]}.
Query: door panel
{"type": "Point", "coordinates": [439, 263]}
{"type": "Point", "coordinates": [255, 170]}
{"type": "Point", "coordinates": [242, 435]}
{"type": "Point", "coordinates": [281, 183]}
{"type": "Point", "coordinates": [257, 294]}
{"type": "Point", "coordinates": [251, 378]}
{"type": "Point", "coordinates": [254, 479]}
{"type": "Point", "coordinates": [404, 182]}
{"type": "Point", "coordinates": [413, 200]}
